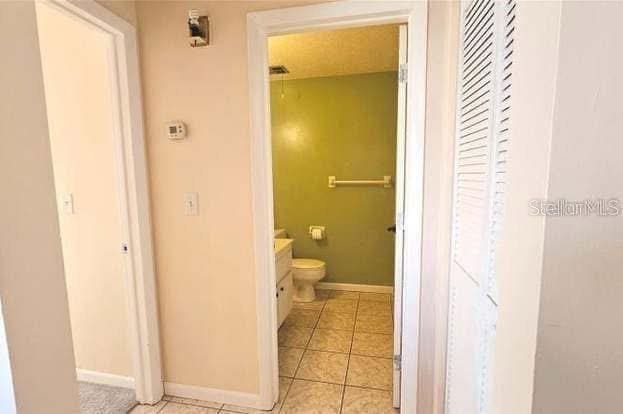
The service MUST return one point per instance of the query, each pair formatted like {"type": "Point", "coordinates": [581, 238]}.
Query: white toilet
{"type": "Point", "coordinates": [306, 273]}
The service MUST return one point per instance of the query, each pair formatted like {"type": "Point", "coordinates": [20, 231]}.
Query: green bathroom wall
{"type": "Point", "coordinates": [343, 126]}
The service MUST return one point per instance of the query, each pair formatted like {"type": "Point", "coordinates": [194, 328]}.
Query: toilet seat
{"type": "Point", "coordinates": [304, 264]}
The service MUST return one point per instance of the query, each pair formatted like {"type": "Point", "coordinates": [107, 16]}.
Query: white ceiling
{"type": "Point", "coordinates": [336, 52]}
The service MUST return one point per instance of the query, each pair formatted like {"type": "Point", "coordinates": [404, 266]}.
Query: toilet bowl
{"type": "Point", "coordinates": [306, 273]}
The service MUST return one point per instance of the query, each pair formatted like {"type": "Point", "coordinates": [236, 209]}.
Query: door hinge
{"type": "Point", "coordinates": [402, 73]}
{"type": "Point", "coordinates": [397, 362]}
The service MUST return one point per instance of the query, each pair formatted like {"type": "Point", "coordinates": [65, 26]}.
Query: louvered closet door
{"type": "Point", "coordinates": [482, 133]}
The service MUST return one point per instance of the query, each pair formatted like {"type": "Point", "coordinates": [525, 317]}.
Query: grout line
{"type": "Point", "coordinates": [222, 409]}
{"type": "Point", "coordinates": [342, 385]}
{"type": "Point", "coordinates": [163, 405]}
{"type": "Point", "coordinates": [305, 348]}
{"type": "Point", "coordinates": [377, 333]}
{"type": "Point", "coordinates": [328, 352]}
{"type": "Point", "coordinates": [314, 327]}
{"type": "Point", "coordinates": [368, 388]}
{"type": "Point", "coordinates": [193, 405]}
{"type": "Point", "coordinates": [285, 396]}
{"type": "Point", "coordinates": [350, 351]}
{"type": "Point", "coordinates": [371, 356]}
{"type": "Point", "coordinates": [286, 393]}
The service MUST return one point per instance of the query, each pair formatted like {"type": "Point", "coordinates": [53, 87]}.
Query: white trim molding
{"type": "Point", "coordinates": [104, 378]}
{"type": "Point", "coordinates": [134, 194]}
{"type": "Point", "coordinates": [240, 399]}
{"type": "Point", "coordinates": [261, 25]}
{"type": "Point", "coordinates": [355, 287]}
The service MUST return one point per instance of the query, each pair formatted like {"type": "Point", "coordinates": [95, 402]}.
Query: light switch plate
{"type": "Point", "coordinates": [191, 204]}
{"type": "Point", "coordinates": [67, 201]}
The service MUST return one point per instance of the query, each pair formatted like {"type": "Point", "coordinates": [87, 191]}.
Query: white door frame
{"type": "Point", "coordinates": [400, 204]}
{"type": "Point", "coordinates": [131, 166]}
{"type": "Point", "coordinates": [261, 25]}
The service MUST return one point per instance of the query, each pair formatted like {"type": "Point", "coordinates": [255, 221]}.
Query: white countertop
{"type": "Point", "coordinates": [281, 245]}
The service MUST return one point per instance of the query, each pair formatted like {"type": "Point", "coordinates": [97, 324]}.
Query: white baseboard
{"type": "Point", "coordinates": [355, 287]}
{"type": "Point", "coordinates": [211, 394]}
{"type": "Point", "coordinates": [104, 378]}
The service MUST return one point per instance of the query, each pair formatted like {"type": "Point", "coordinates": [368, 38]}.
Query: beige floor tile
{"type": "Point", "coordinates": [284, 386]}
{"type": "Point", "coordinates": [341, 306]}
{"type": "Point", "coordinates": [302, 317]}
{"type": "Point", "coordinates": [294, 336]}
{"type": "Point", "coordinates": [200, 403]}
{"type": "Point", "coordinates": [289, 359]}
{"type": "Point", "coordinates": [333, 320]}
{"type": "Point", "coordinates": [323, 366]}
{"type": "Point", "coordinates": [375, 308]}
{"type": "Point", "coordinates": [148, 409]}
{"type": "Point", "coordinates": [376, 297]}
{"type": "Point", "coordinates": [344, 294]}
{"type": "Point", "coordinates": [307, 397]}
{"type": "Point", "coordinates": [374, 324]}
{"type": "Point", "coordinates": [176, 408]}
{"type": "Point", "coordinates": [331, 340]}
{"type": "Point", "coordinates": [370, 372]}
{"type": "Point", "coordinates": [366, 401]}
{"type": "Point", "coordinates": [369, 344]}
{"type": "Point", "coordinates": [318, 304]}
{"type": "Point", "coordinates": [322, 294]}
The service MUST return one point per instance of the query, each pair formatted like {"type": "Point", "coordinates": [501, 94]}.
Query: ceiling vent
{"type": "Point", "coordinates": [278, 70]}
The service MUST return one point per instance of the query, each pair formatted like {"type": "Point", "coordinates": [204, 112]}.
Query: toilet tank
{"type": "Point", "coordinates": [281, 234]}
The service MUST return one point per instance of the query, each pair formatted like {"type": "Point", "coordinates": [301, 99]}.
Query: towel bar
{"type": "Point", "coordinates": [385, 182]}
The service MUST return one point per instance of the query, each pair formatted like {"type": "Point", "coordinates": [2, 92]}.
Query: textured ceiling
{"type": "Point", "coordinates": [336, 52]}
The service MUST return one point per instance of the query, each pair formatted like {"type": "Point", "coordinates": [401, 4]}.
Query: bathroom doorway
{"type": "Point", "coordinates": [337, 104]}
{"type": "Point", "coordinates": [327, 357]}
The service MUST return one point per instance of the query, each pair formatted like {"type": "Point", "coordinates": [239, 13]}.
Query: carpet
{"type": "Point", "coordinates": [104, 399]}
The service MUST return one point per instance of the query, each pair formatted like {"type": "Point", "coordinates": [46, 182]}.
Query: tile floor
{"type": "Point", "coordinates": [334, 357]}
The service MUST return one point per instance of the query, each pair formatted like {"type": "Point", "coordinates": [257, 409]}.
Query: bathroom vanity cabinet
{"type": "Point", "coordinates": [283, 263]}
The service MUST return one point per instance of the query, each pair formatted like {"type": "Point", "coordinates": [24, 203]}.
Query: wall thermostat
{"type": "Point", "coordinates": [176, 130]}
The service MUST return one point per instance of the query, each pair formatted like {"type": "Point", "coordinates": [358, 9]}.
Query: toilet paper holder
{"type": "Point", "coordinates": [316, 232]}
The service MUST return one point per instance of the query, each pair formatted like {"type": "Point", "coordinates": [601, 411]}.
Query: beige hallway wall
{"type": "Point", "coordinates": [579, 360]}
{"type": "Point", "coordinates": [204, 263]}
{"type": "Point", "coordinates": [126, 9]}
{"type": "Point", "coordinates": [78, 96]}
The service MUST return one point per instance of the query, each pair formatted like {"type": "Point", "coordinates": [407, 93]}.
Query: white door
{"type": "Point", "coordinates": [482, 134]}
{"type": "Point", "coordinates": [400, 186]}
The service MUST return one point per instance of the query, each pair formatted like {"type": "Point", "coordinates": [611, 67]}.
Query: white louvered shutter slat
{"type": "Point", "coordinates": [502, 134]}
{"type": "Point", "coordinates": [481, 155]}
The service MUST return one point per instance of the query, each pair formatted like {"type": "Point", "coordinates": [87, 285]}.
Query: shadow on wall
{"type": "Point", "coordinates": [343, 126]}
